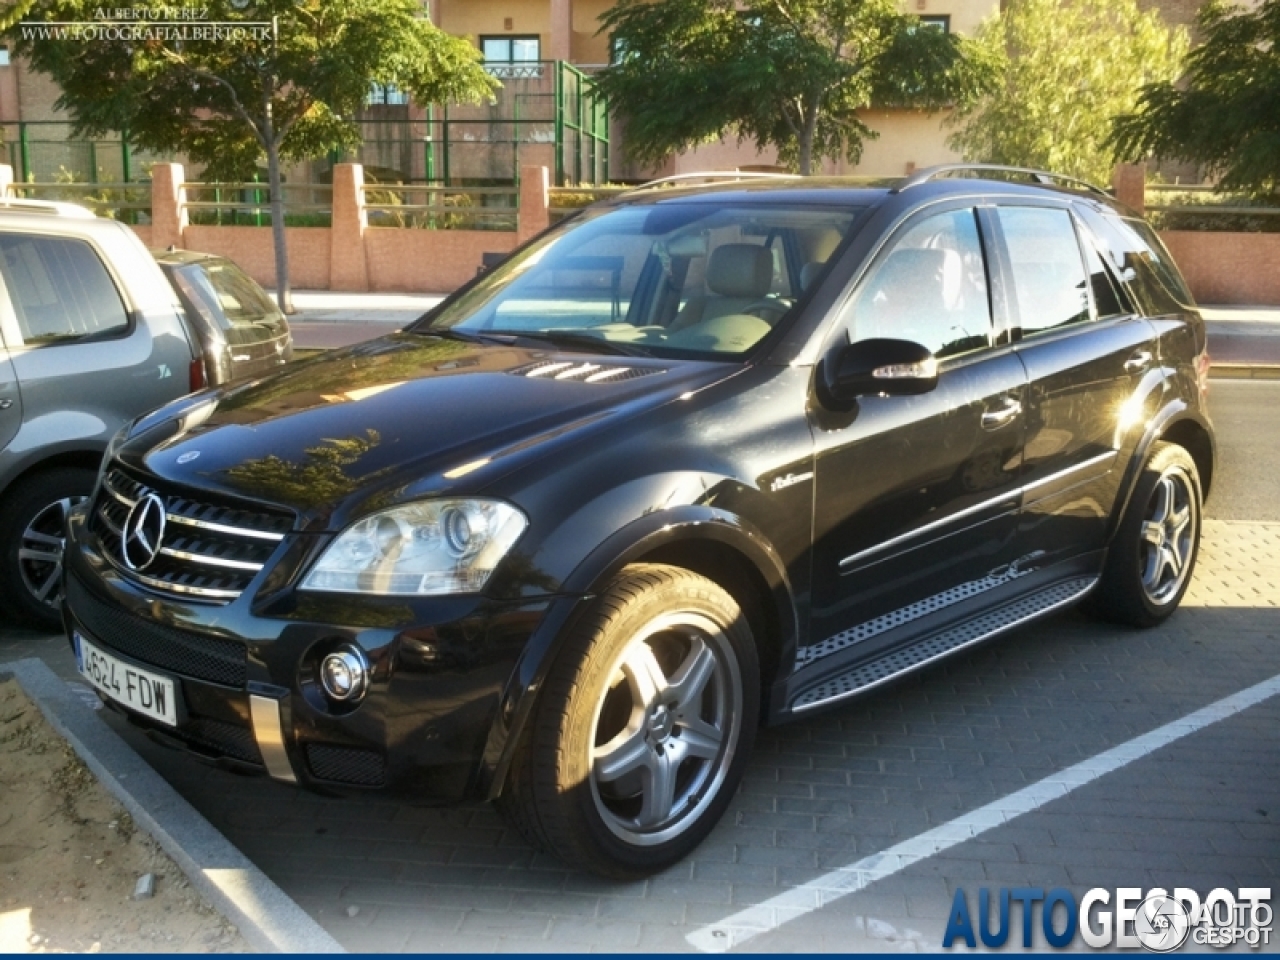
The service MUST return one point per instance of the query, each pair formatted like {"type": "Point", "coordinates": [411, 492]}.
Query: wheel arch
{"type": "Point", "coordinates": [1176, 423]}
{"type": "Point", "coordinates": [76, 458]}
{"type": "Point", "coordinates": [704, 540]}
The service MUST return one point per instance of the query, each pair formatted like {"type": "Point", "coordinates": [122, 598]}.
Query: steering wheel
{"type": "Point", "coordinates": [768, 309]}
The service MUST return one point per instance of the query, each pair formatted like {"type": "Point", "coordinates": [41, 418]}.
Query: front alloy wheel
{"type": "Point", "coordinates": [643, 726]}
{"type": "Point", "coordinates": [665, 728]}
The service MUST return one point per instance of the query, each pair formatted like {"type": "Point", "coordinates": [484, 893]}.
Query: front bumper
{"type": "Point", "coordinates": [442, 669]}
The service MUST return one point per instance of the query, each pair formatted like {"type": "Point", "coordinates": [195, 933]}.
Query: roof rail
{"type": "Point", "coordinates": [1039, 176]}
{"type": "Point", "coordinates": [713, 176]}
{"type": "Point", "coordinates": [56, 207]}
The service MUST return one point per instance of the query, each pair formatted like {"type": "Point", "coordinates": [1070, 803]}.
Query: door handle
{"type": "Point", "coordinates": [1139, 361]}
{"type": "Point", "coordinates": [1001, 416]}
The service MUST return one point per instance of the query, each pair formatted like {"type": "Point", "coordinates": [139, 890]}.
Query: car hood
{"type": "Point", "coordinates": [397, 419]}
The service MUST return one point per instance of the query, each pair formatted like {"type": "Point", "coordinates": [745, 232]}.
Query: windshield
{"type": "Point", "coordinates": [671, 279]}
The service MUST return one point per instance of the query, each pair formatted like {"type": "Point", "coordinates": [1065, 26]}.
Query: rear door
{"type": "Point", "coordinates": [1091, 363]}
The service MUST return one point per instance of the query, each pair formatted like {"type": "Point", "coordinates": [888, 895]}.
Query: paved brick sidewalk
{"type": "Point", "coordinates": [825, 792]}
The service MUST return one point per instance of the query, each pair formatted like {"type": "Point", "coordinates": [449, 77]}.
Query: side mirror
{"type": "Point", "coordinates": [883, 366]}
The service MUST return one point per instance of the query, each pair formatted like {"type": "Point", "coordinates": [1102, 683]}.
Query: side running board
{"type": "Point", "coordinates": [923, 652]}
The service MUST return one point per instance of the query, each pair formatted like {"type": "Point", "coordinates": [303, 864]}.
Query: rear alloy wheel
{"type": "Point", "coordinates": [33, 527]}
{"type": "Point", "coordinates": [1153, 555]}
{"type": "Point", "coordinates": [643, 727]}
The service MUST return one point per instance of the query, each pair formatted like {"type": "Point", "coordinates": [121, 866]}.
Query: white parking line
{"type": "Point", "coordinates": [746, 924]}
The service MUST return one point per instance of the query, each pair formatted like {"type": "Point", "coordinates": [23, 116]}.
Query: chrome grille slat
{"type": "Point", "coordinates": [208, 551]}
{"type": "Point", "coordinates": [223, 528]}
{"type": "Point", "coordinates": [208, 560]}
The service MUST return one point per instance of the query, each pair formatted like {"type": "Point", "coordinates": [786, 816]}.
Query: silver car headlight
{"type": "Point", "coordinates": [420, 549]}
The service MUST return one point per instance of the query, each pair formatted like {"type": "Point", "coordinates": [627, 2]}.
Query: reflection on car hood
{"type": "Point", "coordinates": [400, 418]}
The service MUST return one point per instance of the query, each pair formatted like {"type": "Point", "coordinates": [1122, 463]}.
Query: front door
{"type": "Point", "coordinates": [916, 497]}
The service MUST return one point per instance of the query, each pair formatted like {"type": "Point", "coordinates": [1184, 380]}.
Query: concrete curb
{"type": "Point", "coordinates": [1244, 371]}
{"type": "Point", "coordinates": [267, 918]}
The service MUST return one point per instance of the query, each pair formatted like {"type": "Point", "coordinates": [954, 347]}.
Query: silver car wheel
{"type": "Point", "coordinates": [665, 729]}
{"type": "Point", "coordinates": [1169, 535]}
{"type": "Point", "coordinates": [41, 549]}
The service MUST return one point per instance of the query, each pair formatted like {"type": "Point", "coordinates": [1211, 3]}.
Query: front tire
{"type": "Point", "coordinates": [1151, 560]}
{"type": "Point", "coordinates": [33, 532]}
{"type": "Point", "coordinates": [643, 727]}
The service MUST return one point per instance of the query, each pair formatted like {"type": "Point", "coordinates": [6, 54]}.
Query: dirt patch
{"type": "Point", "coordinates": [70, 857]}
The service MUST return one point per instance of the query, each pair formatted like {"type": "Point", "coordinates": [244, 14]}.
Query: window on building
{"type": "Point", "coordinates": [940, 22]}
{"type": "Point", "coordinates": [511, 49]}
{"type": "Point", "coordinates": [386, 94]}
{"type": "Point", "coordinates": [4, 56]}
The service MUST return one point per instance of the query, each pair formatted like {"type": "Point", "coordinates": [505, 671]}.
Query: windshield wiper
{"type": "Point", "coordinates": [466, 336]}
{"type": "Point", "coordinates": [592, 344]}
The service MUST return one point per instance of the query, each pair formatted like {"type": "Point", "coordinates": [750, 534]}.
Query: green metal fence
{"type": "Point", "coordinates": [547, 113]}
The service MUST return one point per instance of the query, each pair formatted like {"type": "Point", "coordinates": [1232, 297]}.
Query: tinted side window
{"type": "Point", "coordinates": [1146, 275]}
{"type": "Point", "coordinates": [1048, 275]}
{"type": "Point", "coordinates": [1161, 262]}
{"type": "Point", "coordinates": [931, 288]}
{"type": "Point", "coordinates": [1106, 298]}
{"type": "Point", "coordinates": [60, 289]}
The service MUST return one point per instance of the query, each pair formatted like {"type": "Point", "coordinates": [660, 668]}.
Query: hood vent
{"type": "Point", "coordinates": [583, 371]}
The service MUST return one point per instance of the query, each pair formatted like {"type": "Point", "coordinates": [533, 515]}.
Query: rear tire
{"type": "Point", "coordinates": [643, 727]}
{"type": "Point", "coordinates": [1153, 555]}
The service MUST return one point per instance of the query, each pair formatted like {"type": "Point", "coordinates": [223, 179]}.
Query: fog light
{"type": "Point", "coordinates": [344, 674]}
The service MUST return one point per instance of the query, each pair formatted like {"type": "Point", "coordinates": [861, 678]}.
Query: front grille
{"type": "Point", "coordinates": [188, 654]}
{"type": "Point", "coordinates": [361, 768]}
{"type": "Point", "coordinates": [207, 552]}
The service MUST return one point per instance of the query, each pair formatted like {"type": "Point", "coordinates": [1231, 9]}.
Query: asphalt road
{"type": "Point", "coordinates": [1246, 414]}
{"type": "Point", "coordinates": [1069, 754]}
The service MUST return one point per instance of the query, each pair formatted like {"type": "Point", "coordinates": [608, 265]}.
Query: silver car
{"type": "Point", "coordinates": [241, 331]}
{"type": "Point", "coordinates": [91, 335]}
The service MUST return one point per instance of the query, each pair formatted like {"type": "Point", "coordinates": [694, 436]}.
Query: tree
{"type": "Point", "coordinates": [1225, 116]}
{"type": "Point", "coordinates": [286, 86]}
{"type": "Point", "coordinates": [1066, 70]}
{"type": "Point", "coordinates": [792, 74]}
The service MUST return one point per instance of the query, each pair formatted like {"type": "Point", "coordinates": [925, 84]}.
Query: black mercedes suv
{"type": "Point", "coordinates": [699, 458]}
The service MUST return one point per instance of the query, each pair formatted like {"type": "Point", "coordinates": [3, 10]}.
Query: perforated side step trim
{"type": "Point", "coordinates": [867, 675]}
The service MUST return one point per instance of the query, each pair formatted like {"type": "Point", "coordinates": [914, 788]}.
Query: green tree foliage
{"type": "Point", "coordinates": [1066, 70]}
{"type": "Point", "coordinates": [288, 93]}
{"type": "Point", "coordinates": [788, 73]}
{"type": "Point", "coordinates": [1226, 115]}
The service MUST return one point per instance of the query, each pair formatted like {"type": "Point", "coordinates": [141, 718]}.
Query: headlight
{"type": "Point", "coordinates": [422, 549]}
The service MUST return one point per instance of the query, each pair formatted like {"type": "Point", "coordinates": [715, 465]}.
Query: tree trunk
{"type": "Point", "coordinates": [807, 134]}
{"type": "Point", "coordinates": [284, 294]}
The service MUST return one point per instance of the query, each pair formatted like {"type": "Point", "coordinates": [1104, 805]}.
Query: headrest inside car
{"type": "Point", "coordinates": [740, 270]}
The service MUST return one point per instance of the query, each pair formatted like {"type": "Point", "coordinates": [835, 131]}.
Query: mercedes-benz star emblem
{"type": "Point", "coordinates": [143, 531]}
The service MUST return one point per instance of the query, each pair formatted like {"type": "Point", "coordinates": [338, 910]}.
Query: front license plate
{"type": "Point", "coordinates": [148, 693]}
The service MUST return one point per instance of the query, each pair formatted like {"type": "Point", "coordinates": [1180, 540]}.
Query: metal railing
{"type": "Point", "coordinates": [128, 202]}
{"type": "Point", "coordinates": [248, 203]}
{"type": "Point", "coordinates": [1168, 209]}
{"type": "Point", "coordinates": [433, 207]}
